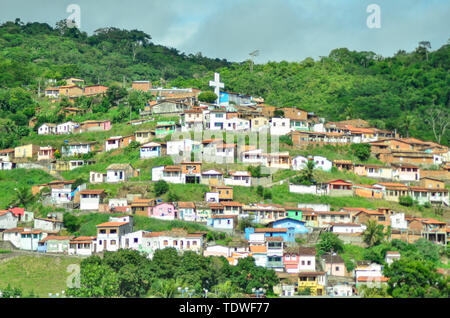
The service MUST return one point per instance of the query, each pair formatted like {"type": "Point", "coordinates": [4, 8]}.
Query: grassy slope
{"type": "Point", "coordinates": [11, 179]}
{"type": "Point", "coordinates": [42, 275]}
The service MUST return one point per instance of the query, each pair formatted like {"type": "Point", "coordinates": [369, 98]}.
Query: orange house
{"type": "Point", "coordinates": [95, 90]}
{"type": "Point", "coordinates": [141, 86]}
{"type": "Point", "coordinates": [191, 167]}
{"type": "Point", "coordinates": [367, 191]}
{"type": "Point", "coordinates": [70, 91]}
{"type": "Point", "coordinates": [225, 193]}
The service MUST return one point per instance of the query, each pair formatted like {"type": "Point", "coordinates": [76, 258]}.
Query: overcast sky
{"type": "Point", "coordinates": [288, 30]}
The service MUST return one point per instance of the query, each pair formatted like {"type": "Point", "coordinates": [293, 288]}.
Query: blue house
{"type": "Point", "coordinates": [150, 150]}
{"type": "Point", "coordinates": [289, 223]}
{"type": "Point", "coordinates": [288, 235]}
{"type": "Point", "coordinates": [222, 222]}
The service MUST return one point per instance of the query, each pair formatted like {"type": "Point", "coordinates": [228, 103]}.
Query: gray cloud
{"type": "Point", "coordinates": [281, 29]}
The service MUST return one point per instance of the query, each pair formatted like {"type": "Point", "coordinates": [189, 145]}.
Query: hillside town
{"type": "Point", "coordinates": [409, 173]}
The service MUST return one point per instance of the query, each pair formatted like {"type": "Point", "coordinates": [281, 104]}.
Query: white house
{"type": "Point", "coordinates": [66, 128]}
{"type": "Point", "coordinates": [225, 153]}
{"type": "Point", "coordinates": [299, 162]}
{"type": "Point", "coordinates": [117, 202]}
{"type": "Point", "coordinates": [47, 129]}
{"type": "Point", "coordinates": [13, 235]}
{"type": "Point", "coordinates": [347, 228]}
{"type": "Point", "coordinates": [90, 199]}
{"type": "Point", "coordinates": [237, 124]}
{"type": "Point", "coordinates": [119, 172]}
{"type": "Point", "coordinates": [61, 193]}
{"type": "Point", "coordinates": [133, 240]}
{"type": "Point", "coordinates": [7, 220]}
{"type": "Point", "coordinates": [82, 246]}
{"type": "Point", "coordinates": [109, 234]}
{"type": "Point", "coordinates": [177, 147]}
{"type": "Point", "coordinates": [7, 165]}
{"type": "Point", "coordinates": [217, 119]}
{"type": "Point", "coordinates": [392, 256]}
{"type": "Point", "coordinates": [322, 163]}
{"type": "Point", "coordinates": [212, 197]}
{"type": "Point", "coordinates": [222, 222]}
{"type": "Point", "coordinates": [186, 211]}
{"type": "Point", "coordinates": [307, 259]}
{"type": "Point", "coordinates": [304, 189]}
{"type": "Point", "coordinates": [280, 126]}
{"type": "Point", "coordinates": [239, 178]}
{"type": "Point", "coordinates": [29, 239]}
{"type": "Point", "coordinates": [97, 177]}
{"type": "Point", "coordinates": [372, 270]}
{"type": "Point", "coordinates": [398, 221]}
{"type": "Point", "coordinates": [77, 148]}
{"type": "Point", "coordinates": [171, 174]}
{"type": "Point", "coordinates": [51, 225]}
{"type": "Point", "coordinates": [255, 156]}
{"type": "Point", "coordinates": [176, 238]}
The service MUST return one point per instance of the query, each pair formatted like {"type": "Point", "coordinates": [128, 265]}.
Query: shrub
{"type": "Point", "coordinates": [406, 200]}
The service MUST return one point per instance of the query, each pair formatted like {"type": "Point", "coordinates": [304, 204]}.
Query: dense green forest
{"type": "Point", "coordinates": [393, 93]}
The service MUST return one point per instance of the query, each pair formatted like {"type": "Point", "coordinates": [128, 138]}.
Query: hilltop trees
{"type": "Point", "coordinates": [207, 97]}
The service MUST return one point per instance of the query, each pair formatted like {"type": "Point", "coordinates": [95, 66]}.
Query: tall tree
{"type": "Point", "coordinates": [439, 120]}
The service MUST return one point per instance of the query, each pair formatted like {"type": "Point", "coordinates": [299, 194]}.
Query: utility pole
{"type": "Point", "coordinates": [253, 55]}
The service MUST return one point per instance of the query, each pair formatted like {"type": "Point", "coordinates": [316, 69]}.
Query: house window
{"type": "Point", "coordinates": [309, 262]}
{"type": "Point", "coordinates": [166, 242]}
{"type": "Point", "coordinates": [113, 242]}
{"type": "Point", "coordinates": [135, 240]}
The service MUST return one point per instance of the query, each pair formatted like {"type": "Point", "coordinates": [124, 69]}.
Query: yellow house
{"type": "Point", "coordinates": [62, 165]}
{"type": "Point", "coordinates": [27, 151]}
{"type": "Point", "coordinates": [315, 281]}
{"type": "Point", "coordinates": [258, 122]}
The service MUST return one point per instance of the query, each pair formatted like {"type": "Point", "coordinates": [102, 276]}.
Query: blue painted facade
{"type": "Point", "coordinates": [288, 223]}
{"type": "Point", "coordinates": [288, 236]}
{"type": "Point", "coordinates": [222, 223]}
{"type": "Point", "coordinates": [150, 152]}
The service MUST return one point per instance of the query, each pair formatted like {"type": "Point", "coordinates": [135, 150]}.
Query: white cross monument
{"type": "Point", "coordinates": [217, 86]}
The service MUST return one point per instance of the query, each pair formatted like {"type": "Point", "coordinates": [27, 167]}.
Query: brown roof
{"type": "Point", "coordinates": [186, 205]}
{"type": "Point", "coordinates": [268, 230]}
{"type": "Point", "coordinates": [112, 224]}
{"type": "Point", "coordinates": [231, 203]}
{"type": "Point", "coordinates": [274, 239]}
{"type": "Point", "coordinates": [172, 168]}
{"type": "Point", "coordinates": [92, 191]}
{"type": "Point", "coordinates": [57, 238]}
{"type": "Point", "coordinates": [223, 216]}
{"type": "Point", "coordinates": [300, 250]}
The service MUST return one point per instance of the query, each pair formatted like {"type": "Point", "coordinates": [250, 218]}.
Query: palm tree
{"type": "Point", "coordinates": [308, 172]}
{"type": "Point", "coordinates": [374, 233]}
{"type": "Point", "coordinates": [408, 122]}
{"type": "Point", "coordinates": [23, 197]}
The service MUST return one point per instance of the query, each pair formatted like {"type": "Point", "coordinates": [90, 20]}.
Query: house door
{"type": "Point", "coordinates": [127, 242]}
{"type": "Point", "coordinates": [104, 244]}
{"type": "Point", "coordinates": [121, 175]}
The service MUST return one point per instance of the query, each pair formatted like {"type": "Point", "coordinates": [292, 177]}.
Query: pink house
{"type": "Point", "coordinates": [299, 259]}
{"type": "Point", "coordinates": [164, 211]}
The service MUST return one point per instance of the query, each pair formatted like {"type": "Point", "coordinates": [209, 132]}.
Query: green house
{"type": "Point", "coordinates": [294, 213]}
{"type": "Point", "coordinates": [165, 128]}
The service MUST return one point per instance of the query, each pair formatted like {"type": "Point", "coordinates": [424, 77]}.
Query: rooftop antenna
{"type": "Point", "coordinates": [253, 55]}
